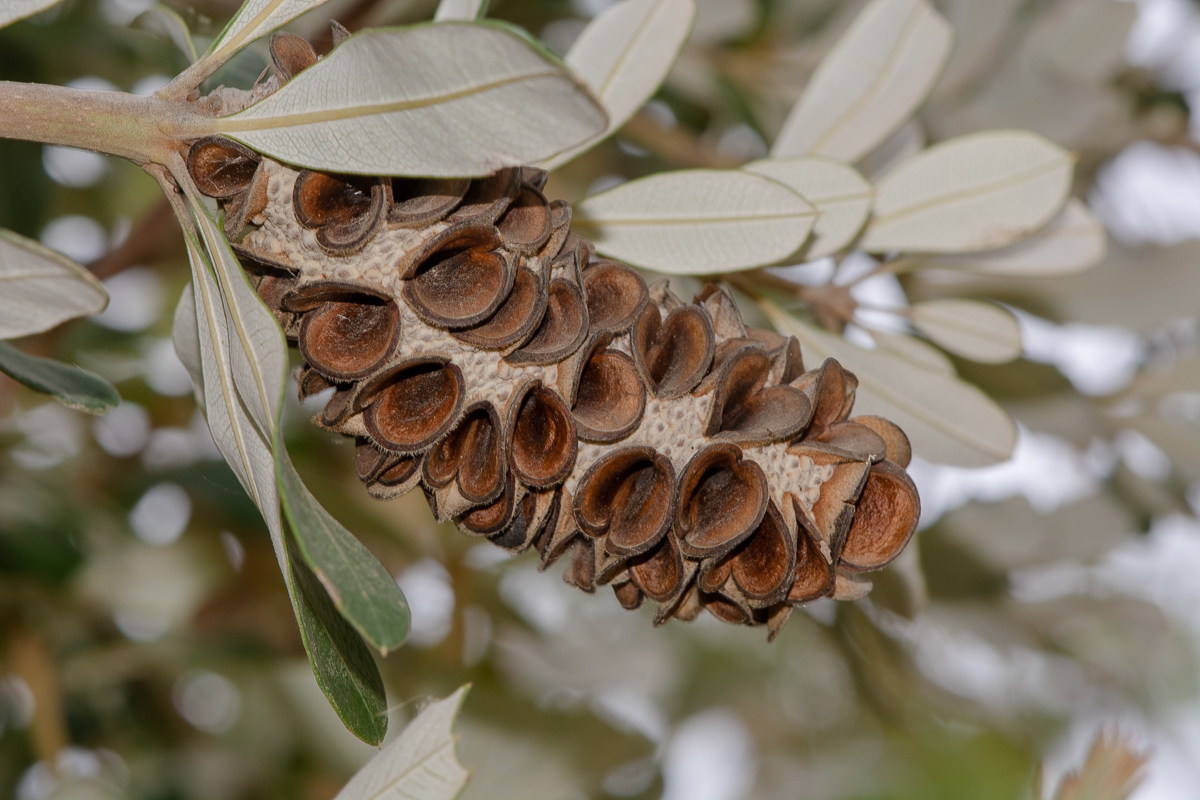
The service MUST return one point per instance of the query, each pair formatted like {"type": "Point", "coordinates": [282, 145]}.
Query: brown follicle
{"type": "Point", "coordinates": [487, 198]}
{"type": "Point", "coordinates": [459, 288]}
{"type": "Point", "coordinates": [417, 202]}
{"type": "Point", "coordinates": [414, 404]}
{"type": "Point", "coordinates": [896, 445]}
{"type": "Point", "coordinates": [526, 223]}
{"type": "Point", "coordinates": [745, 409]}
{"type": "Point", "coordinates": [764, 566]}
{"type": "Point", "coordinates": [221, 168]}
{"type": "Point", "coordinates": [562, 329]}
{"type": "Point", "coordinates": [885, 518]}
{"type": "Point", "coordinates": [350, 338]}
{"type": "Point", "coordinates": [290, 54]}
{"type": "Point", "coordinates": [722, 499]}
{"type": "Point", "coordinates": [609, 397]}
{"type": "Point", "coordinates": [673, 354]}
{"type": "Point", "coordinates": [616, 296]}
{"type": "Point", "coordinates": [542, 442]}
{"type": "Point", "coordinates": [471, 456]}
{"type": "Point", "coordinates": [517, 318]}
{"type": "Point", "coordinates": [627, 497]}
{"type": "Point", "coordinates": [344, 210]}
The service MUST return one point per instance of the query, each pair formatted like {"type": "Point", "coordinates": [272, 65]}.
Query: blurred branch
{"type": "Point", "coordinates": [31, 660]}
{"type": "Point", "coordinates": [153, 238]}
{"type": "Point", "coordinates": [675, 144]}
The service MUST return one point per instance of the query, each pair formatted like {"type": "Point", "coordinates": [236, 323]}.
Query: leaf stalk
{"type": "Point", "coordinates": [145, 130]}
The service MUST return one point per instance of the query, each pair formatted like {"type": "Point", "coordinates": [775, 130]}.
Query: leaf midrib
{"type": "Point", "coordinates": [238, 123]}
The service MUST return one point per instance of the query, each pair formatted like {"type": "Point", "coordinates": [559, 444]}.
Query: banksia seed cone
{"type": "Point", "coordinates": [547, 399]}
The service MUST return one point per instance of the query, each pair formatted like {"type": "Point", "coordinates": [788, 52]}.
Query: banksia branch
{"type": "Point", "coordinates": [547, 399]}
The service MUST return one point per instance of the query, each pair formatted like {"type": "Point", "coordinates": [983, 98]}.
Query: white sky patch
{"type": "Point", "coordinates": [135, 300]}
{"type": "Point", "coordinates": [164, 372]}
{"type": "Point", "coordinates": [1047, 470]}
{"type": "Point", "coordinates": [208, 701]}
{"type": "Point", "coordinates": [426, 586]}
{"type": "Point", "coordinates": [710, 757]}
{"type": "Point", "coordinates": [77, 237]}
{"type": "Point", "coordinates": [1159, 568]}
{"type": "Point", "coordinates": [1150, 194]}
{"type": "Point", "coordinates": [53, 434]}
{"type": "Point", "coordinates": [162, 514]}
{"type": "Point", "coordinates": [540, 597]}
{"type": "Point", "coordinates": [123, 431]}
{"type": "Point", "coordinates": [1005, 679]}
{"type": "Point", "coordinates": [1098, 360]}
{"type": "Point", "coordinates": [76, 169]}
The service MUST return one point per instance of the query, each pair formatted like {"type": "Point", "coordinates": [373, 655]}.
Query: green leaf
{"type": "Point", "coordinates": [450, 99]}
{"type": "Point", "coordinates": [242, 363]}
{"type": "Point", "coordinates": [696, 222]}
{"type": "Point", "coordinates": [448, 10]}
{"type": "Point", "coordinates": [255, 19]}
{"type": "Point", "coordinates": [979, 331]}
{"type": "Point", "coordinates": [361, 589]}
{"type": "Point", "coordinates": [40, 289]}
{"type": "Point", "coordinates": [341, 662]}
{"type": "Point", "coordinates": [968, 194]}
{"type": "Point", "coordinates": [872, 81]}
{"type": "Point", "coordinates": [1071, 243]}
{"type": "Point", "coordinates": [839, 193]}
{"type": "Point", "coordinates": [73, 387]}
{"type": "Point", "coordinates": [947, 420]}
{"type": "Point", "coordinates": [420, 763]}
{"type": "Point", "coordinates": [624, 55]}
{"type": "Point", "coordinates": [166, 23]}
{"type": "Point", "coordinates": [13, 10]}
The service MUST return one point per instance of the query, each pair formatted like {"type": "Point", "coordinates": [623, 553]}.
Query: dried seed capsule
{"type": "Point", "coordinates": [416, 202]}
{"type": "Point", "coordinates": [547, 400]}
{"type": "Point", "coordinates": [674, 354]}
{"type": "Point", "coordinates": [221, 167]}
{"type": "Point", "coordinates": [290, 54]}
{"type": "Point", "coordinates": [414, 404]}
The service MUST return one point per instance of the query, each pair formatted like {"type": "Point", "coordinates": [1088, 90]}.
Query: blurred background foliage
{"type": "Point", "coordinates": [147, 648]}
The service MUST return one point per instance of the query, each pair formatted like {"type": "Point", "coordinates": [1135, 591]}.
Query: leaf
{"type": "Point", "coordinates": [73, 387]}
{"type": "Point", "coordinates": [968, 328]}
{"type": "Point", "coordinates": [185, 334]}
{"type": "Point", "coordinates": [840, 195]}
{"type": "Point", "coordinates": [947, 420]}
{"type": "Point", "coordinates": [419, 764]}
{"type": "Point", "coordinates": [361, 589]}
{"type": "Point", "coordinates": [13, 10]}
{"type": "Point", "coordinates": [449, 100]}
{"type": "Point", "coordinates": [166, 23]}
{"type": "Point", "coordinates": [624, 55]}
{"type": "Point", "coordinates": [697, 221]}
{"type": "Point", "coordinates": [255, 19]}
{"type": "Point", "coordinates": [243, 358]}
{"type": "Point", "coordinates": [1113, 771]}
{"type": "Point", "coordinates": [872, 81]}
{"type": "Point", "coordinates": [1071, 243]}
{"type": "Point", "coordinates": [460, 9]}
{"type": "Point", "coordinates": [972, 193]}
{"type": "Point", "coordinates": [341, 663]}
{"type": "Point", "coordinates": [40, 289]}
{"type": "Point", "coordinates": [919, 353]}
